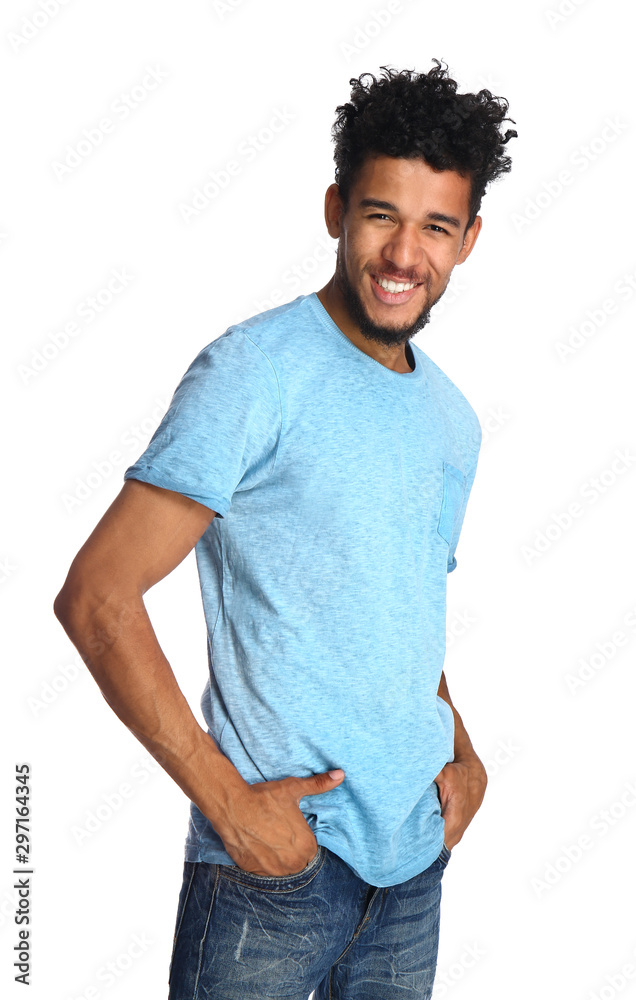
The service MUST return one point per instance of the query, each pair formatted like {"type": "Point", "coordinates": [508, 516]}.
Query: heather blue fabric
{"type": "Point", "coordinates": [340, 488]}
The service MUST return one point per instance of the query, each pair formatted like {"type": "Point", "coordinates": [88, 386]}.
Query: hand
{"type": "Point", "coordinates": [265, 832]}
{"type": "Point", "coordinates": [462, 785]}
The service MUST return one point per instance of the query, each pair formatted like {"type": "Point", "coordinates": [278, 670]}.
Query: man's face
{"type": "Point", "coordinates": [405, 223]}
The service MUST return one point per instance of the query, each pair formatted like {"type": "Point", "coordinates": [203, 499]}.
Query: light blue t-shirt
{"type": "Point", "coordinates": [340, 488]}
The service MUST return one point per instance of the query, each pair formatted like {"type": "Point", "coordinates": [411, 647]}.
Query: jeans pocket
{"type": "Point", "coordinates": [454, 486]}
{"type": "Point", "coordinates": [276, 882]}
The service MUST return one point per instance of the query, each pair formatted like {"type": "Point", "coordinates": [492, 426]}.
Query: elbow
{"type": "Point", "coordinates": [72, 609]}
{"type": "Point", "coordinates": [94, 613]}
{"type": "Point", "coordinates": [77, 599]}
{"type": "Point", "coordinates": [64, 607]}
{"type": "Point", "coordinates": [84, 594]}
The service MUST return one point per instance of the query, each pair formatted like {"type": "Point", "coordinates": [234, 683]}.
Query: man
{"type": "Point", "coordinates": [320, 464]}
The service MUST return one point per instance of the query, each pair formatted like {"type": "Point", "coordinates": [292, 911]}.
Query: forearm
{"type": "Point", "coordinates": [463, 746]}
{"type": "Point", "coordinates": [462, 782]}
{"type": "Point", "coordinates": [118, 644]}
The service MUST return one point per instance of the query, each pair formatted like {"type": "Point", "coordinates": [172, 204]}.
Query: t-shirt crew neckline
{"type": "Point", "coordinates": [366, 359]}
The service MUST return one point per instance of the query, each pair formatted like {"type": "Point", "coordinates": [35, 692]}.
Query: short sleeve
{"type": "Point", "coordinates": [470, 478]}
{"type": "Point", "coordinates": [221, 431]}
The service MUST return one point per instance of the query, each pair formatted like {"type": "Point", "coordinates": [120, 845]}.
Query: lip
{"type": "Point", "coordinates": [392, 298]}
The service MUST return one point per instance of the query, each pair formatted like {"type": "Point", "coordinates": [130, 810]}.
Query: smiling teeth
{"type": "Point", "coordinates": [392, 286]}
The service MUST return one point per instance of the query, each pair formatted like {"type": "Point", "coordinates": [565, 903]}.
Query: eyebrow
{"type": "Point", "coordinates": [450, 220]}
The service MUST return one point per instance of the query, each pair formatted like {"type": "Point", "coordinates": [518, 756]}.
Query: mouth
{"type": "Point", "coordinates": [393, 292]}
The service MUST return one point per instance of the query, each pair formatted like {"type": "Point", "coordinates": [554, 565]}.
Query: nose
{"type": "Point", "coordinates": [404, 249]}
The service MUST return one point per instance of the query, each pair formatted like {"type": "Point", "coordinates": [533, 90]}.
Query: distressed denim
{"type": "Point", "coordinates": [240, 936]}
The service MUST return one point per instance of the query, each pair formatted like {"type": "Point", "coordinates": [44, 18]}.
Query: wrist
{"type": "Point", "coordinates": [205, 775]}
{"type": "Point", "coordinates": [220, 783]}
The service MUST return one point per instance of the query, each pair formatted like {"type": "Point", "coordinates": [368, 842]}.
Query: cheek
{"type": "Point", "coordinates": [443, 261]}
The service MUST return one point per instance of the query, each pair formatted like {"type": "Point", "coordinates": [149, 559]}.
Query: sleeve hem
{"type": "Point", "coordinates": [215, 503]}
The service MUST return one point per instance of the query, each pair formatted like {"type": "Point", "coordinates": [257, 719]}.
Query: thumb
{"type": "Point", "coordinates": [315, 784]}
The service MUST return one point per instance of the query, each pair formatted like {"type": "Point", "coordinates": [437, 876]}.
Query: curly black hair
{"type": "Point", "coordinates": [409, 114]}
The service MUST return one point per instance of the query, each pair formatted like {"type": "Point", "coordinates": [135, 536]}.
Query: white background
{"type": "Point", "coordinates": [519, 918]}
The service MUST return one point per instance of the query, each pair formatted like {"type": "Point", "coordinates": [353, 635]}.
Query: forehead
{"type": "Point", "coordinates": [412, 185]}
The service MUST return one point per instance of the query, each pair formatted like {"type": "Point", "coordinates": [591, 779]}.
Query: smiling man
{"type": "Point", "coordinates": [395, 256]}
{"type": "Point", "coordinates": [320, 464]}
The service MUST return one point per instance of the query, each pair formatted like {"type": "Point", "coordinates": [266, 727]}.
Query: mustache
{"type": "Point", "coordinates": [401, 277]}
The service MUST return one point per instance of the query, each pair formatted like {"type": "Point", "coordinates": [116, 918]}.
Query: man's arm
{"type": "Point", "coordinates": [463, 747]}
{"type": "Point", "coordinates": [143, 536]}
{"type": "Point", "coordinates": [462, 783]}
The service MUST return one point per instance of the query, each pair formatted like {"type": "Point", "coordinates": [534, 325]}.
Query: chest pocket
{"type": "Point", "coordinates": [452, 501]}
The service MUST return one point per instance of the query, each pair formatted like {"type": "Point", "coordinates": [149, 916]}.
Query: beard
{"type": "Point", "coordinates": [390, 336]}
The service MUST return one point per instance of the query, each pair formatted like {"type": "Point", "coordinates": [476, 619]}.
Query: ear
{"type": "Point", "coordinates": [469, 240]}
{"type": "Point", "coordinates": [334, 211]}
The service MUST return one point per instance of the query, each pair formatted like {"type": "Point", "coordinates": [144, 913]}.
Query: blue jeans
{"type": "Point", "coordinates": [240, 936]}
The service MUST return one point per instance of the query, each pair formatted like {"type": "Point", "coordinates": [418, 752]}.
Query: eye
{"type": "Point", "coordinates": [439, 229]}
{"type": "Point", "coordinates": [378, 215]}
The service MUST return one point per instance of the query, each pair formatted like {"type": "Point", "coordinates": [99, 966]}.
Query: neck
{"type": "Point", "coordinates": [396, 358]}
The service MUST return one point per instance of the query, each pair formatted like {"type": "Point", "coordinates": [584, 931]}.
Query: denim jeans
{"type": "Point", "coordinates": [240, 936]}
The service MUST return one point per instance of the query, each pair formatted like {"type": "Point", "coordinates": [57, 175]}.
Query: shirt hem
{"type": "Point", "coordinates": [194, 853]}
